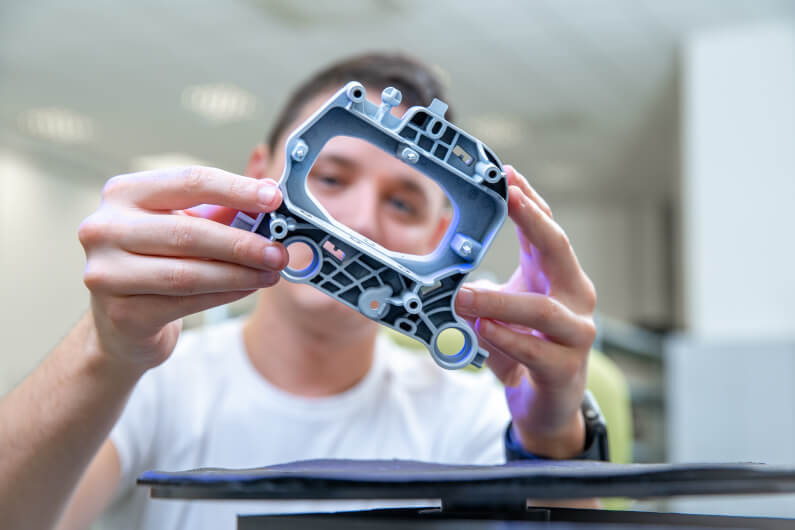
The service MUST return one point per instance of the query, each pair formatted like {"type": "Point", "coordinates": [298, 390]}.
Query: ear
{"type": "Point", "coordinates": [258, 161]}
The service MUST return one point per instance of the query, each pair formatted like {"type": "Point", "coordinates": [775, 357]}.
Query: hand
{"type": "Point", "coordinates": [538, 328]}
{"type": "Point", "coordinates": [150, 259]}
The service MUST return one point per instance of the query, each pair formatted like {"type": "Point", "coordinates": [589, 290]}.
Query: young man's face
{"type": "Point", "coordinates": [374, 194]}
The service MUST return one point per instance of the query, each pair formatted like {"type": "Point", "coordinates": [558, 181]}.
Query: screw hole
{"type": "Point", "coordinates": [451, 342]}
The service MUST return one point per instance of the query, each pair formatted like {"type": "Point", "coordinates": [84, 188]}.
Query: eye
{"type": "Point", "coordinates": [327, 180]}
{"type": "Point", "coordinates": [403, 206]}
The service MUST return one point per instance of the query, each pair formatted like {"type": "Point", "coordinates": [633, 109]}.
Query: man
{"type": "Point", "coordinates": [303, 376]}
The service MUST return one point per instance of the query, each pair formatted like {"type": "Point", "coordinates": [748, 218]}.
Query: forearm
{"type": "Point", "coordinates": [52, 424]}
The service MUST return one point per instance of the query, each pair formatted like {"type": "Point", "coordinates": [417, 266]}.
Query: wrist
{"type": "Point", "coordinates": [101, 362]}
{"type": "Point", "coordinates": [566, 442]}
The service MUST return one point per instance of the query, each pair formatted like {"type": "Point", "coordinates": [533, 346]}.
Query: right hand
{"type": "Point", "coordinates": [150, 259]}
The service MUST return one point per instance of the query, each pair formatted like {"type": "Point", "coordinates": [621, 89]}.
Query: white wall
{"type": "Point", "coordinates": [731, 378]}
{"type": "Point", "coordinates": [40, 258]}
{"type": "Point", "coordinates": [738, 190]}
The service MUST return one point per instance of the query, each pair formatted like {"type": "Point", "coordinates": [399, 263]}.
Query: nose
{"type": "Point", "coordinates": [360, 213]}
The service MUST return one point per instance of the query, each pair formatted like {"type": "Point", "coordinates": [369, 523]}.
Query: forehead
{"type": "Point", "coordinates": [362, 155]}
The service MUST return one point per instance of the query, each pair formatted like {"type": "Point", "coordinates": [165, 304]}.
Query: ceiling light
{"type": "Point", "coordinates": [57, 124]}
{"type": "Point", "coordinates": [164, 160]}
{"type": "Point", "coordinates": [219, 103]}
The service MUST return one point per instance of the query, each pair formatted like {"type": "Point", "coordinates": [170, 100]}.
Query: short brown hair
{"type": "Point", "coordinates": [415, 79]}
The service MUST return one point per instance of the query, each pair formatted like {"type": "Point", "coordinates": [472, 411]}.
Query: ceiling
{"type": "Point", "coordinates": [581, 95]}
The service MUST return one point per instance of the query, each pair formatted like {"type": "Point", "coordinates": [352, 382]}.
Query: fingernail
{"type": "Point", "coordinates": [269, 278]}
{"type": "Point", "coordinates": [484, 327]}
{"type": "Point", "coordinates": [465, 299]}
{"type": "Point", "coordinates": [274, 257]}
{"type": "Point", "coordinates": [266, 194]}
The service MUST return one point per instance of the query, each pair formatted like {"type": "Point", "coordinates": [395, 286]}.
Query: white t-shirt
{"type": "Point", "coordinates": [207, 406]}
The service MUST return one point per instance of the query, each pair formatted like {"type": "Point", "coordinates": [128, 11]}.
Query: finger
{"type": "Point", "coordinates": [185, 236]}
{"type": "Point", "coordinates": [505, 368]}
{"type": "Point", "coordinates": [122, 273]}
{"type": "Point", "coordinates": [180, 188]}
{"type": "Point", "coordinates": [528, 310]}
{"type": "Point", "coordinates": [144, 313]}
{"type": "Point", "coordinates": [517, 179]}
{"type": "Point", "coordinates": [549, 363]}
{"type": "Point", "coordinates": [549, 243]}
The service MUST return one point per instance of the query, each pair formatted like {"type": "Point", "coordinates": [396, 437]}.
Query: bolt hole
{"type": "Point", "coordinates": [374, 304]}
{"type": "Point", "coordinates": [357, 93]}
{"type": "Point", "coordinates": [301, 255]}
{"type": "Point", "coordinates": [451, 341]}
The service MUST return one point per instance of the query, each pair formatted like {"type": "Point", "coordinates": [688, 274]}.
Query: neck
{"type": "Point", "coordinates": [305, 355]}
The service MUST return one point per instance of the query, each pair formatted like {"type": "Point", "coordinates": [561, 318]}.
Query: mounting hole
{"type": "Point", "coordinates": [406, 326]}
{"type": "Point", "coordinates": [374, 305]}
{"type": "Point", "coordinates": [304, 259]}
{"type": "Point", "coordinates": [452, 343]}
{"type": "Point", "coordinates": [412, 303]}
{"type": "Point", "coordinates": [278, 228]}
{"type": "Point", "coordinates": [435, 128]}
{"type": "Point", "coordinates": [356, 93]}
{"type": "Point", "coordinates": [493, 174]}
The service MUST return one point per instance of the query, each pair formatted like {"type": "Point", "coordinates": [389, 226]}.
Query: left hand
{"type": "Point", "coordinates": [538, 328]}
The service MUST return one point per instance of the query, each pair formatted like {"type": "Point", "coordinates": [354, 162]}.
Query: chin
{"type": "Point", "coordinates": [312, 303]}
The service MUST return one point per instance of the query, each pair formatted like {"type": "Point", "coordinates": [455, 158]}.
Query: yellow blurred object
{"type": "Point", "coordinates": [611, 390]}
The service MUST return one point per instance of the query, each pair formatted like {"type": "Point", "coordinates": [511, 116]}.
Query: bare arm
{"type": "Point", "coordinates": [95, 491]}
{"type": "Point", "coordinates": [52, 424]}
{"type": "Point", "coordinates": [150, 260]}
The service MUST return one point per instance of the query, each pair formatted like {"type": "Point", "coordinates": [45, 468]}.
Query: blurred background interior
{"type": "Point", "coordinates": [662, 133]}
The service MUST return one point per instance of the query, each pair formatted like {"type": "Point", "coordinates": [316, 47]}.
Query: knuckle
{"type": "Point", "coordinates": [115, 187]}
{"type": "Point", "coordinates": [240, 250]}
{"type": "Point", "coordinates": [194, 178]}
{"type": "Point", "coordinates": [589, 331]}
{"type": "Point", "coordinates": [493, 302]}
{"type": "Point", "coordinates": [182, 235]}
{"type": "Point", "coordinates": [181, 279]}
{"type": "Point", "coordinates": [117, 312]}
{"type": "Point", "coordinates": [90, 231]}
{"type": "Point", "coordinates": [95, 277]}
{"type": "Point", "coordinates": [240, 187]}
{"type": "Point", "coordinates": [561, 240]}
{"type": "Point", "coordinates": [548, 312]}
{"type": "Point", "coordinates": [590, 294]}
